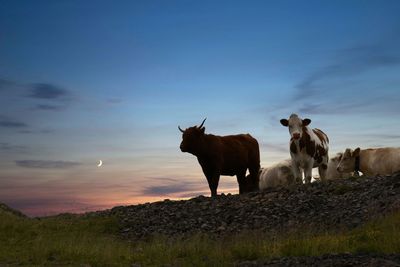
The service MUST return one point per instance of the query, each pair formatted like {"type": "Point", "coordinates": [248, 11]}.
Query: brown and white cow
{"type": "Point", "coordinates": [308, 148]}
{"type": "Point", "coordinates": [371, 162]}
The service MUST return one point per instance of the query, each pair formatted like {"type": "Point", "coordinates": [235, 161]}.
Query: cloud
{"type": "Point", "coordinates": [26, 132]}
{"type": "Point", "coordinates": [28, 101]}
{"type": "Point", "coordinates": [10, 123]}
{"type": "Point", "coordinates": [46, 164]}
{"type": "Point", "coordinates": [338, 108]}
{"type": "Point", "coordinates": [47, 107]}
{"type": "Point", "coordinates": [47, 91]}
{"type": "Point", "coordinates": [167, 186]}
{"type": "Point", "coordinates": [358, 80]}
{"type": "Point", "coordinates": [5, 84]}
{"type": "Point", "coordinates": [348, 62]}
{"type": "Point", "coordinates": [385, 136]}
{"type": "Point", "coordinates": [165, 179]}
{"type": "Point", "coordinates": [44, 131]}
{"type": "Point", "coordinates": [357, 105]}
{"type": "Point", "coordinates": [8, 147]}
{"type": "Point", "coordinates": [43, 96]}
{"type": "Point", "coordinates": [165, 189]}
{"type": "Point", "coordinates": [114, 100]}
{"type": "Point", "coordinates": [275, 147]}
{"type": "Point", "coordinates": [40, 91]}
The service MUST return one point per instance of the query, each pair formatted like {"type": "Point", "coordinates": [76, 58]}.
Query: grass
{"type": "Point", "coordinates": [64, 240]}
{"type": "Point", "coordinates": [71, 240]}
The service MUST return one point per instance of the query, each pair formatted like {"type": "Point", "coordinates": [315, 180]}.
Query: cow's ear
{"type": "Point", "coordinates": [202, 130]}
{"type": "Point", "coordinates": [285, 122]}
{"type": "Point", "coordinates": [356, 152]}
{"type": "Point", "coordinates": [306, 122]}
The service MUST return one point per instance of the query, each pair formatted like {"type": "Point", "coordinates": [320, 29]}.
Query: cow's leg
{"type": "Point", "coordinates": [297, 172]}
{"type": "Point", "coordinates": [308, 172]}
{"type": "Point", "coordinates": [322, 169]}
{"type": "Point", "coordinates": [307, 175]}
{"type": "Point", "coordinates": [254, 178]}
{"type": "Point", "coordinates": [213, 181]}
{"type": "Point", "coordinates": [244, 185]}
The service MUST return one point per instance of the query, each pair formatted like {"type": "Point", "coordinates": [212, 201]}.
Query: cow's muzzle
{"type": "Point", "coordinates": [296, 136]}
{"type": "Point", "coordinates": [182, 147]}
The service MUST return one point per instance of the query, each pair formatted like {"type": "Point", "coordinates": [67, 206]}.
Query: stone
{"type": "Point", "coordinates": [317, 205]}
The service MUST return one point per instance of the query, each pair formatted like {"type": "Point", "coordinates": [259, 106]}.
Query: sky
{"type": "Point", "coordinates": [83, 81]}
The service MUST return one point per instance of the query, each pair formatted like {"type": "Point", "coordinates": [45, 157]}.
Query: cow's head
{"type": "Point", "coordinates": [337, 158]}
{"type": "Point", "coordinates": [191, 138]}
{"type": "Point", "coordinates": [348, 160]}
{"type": "Point", "coordinates": [295, 125]}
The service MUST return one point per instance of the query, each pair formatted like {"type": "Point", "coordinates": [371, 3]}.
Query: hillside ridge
{"type": "Point", "coordinates": [339, 204]}
{"type": "Point", "coordinates": [7, 209]}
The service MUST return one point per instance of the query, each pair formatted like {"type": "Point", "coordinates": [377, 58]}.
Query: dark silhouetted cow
{"type": "Point", "coordinates": [308, 148]}
{"type": "Point", "coordinates": [224, 155]}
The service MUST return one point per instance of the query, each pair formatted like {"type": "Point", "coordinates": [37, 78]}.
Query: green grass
{"type": "Point", "coordinates": [66, 239]}
{"type": "Point", "coordinates": [71, 240]}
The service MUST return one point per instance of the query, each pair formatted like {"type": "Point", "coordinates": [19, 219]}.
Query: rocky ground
{"type": "Point", "coordinates": [332, 205]}
{"type": "Point", "coordinates": [329, 261]}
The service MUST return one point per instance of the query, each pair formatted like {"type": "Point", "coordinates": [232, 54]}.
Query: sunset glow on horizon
{"type": "Point", "coordinates": [85, 82]}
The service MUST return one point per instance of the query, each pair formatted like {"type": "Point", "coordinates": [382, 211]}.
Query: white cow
{"type": "Point", "coordinates": [332, 172]}
{"type": "Point", "coordinates": [280, 174]}
{"type": "Point", "coordinates": [371, 162]}
{"type": "Point", "coordinates": [308, 148]}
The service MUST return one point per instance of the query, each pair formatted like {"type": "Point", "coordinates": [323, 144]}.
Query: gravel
{"type": "Point", "coordinates": [345, 203]}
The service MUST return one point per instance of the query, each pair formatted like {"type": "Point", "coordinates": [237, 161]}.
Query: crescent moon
{"type": "Point", "coordinates": [100, 163]}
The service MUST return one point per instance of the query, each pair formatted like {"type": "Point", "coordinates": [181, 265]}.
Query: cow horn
{"type": "Point", "coordinates": [179, 127]}
{"type": "Point", "coordinates": [201, 125]}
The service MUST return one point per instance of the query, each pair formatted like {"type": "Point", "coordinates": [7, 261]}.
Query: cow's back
{"type": "Point", "coordinates": [238, 152]}
{"type": "Point", "coordinates": [244, 144]}
{"type": "Point", "coordinates": [383, 161]}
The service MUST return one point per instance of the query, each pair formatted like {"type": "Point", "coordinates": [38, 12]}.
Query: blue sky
{"type": "Point", "coordinates": [87, 80]}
